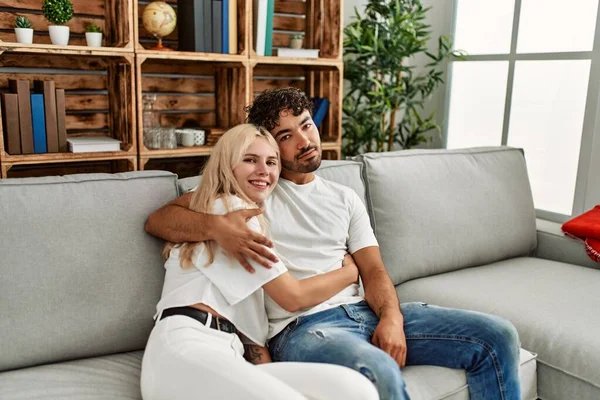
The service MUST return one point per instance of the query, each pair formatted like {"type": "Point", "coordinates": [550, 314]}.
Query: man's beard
{"type": "Point", "coordinates": [303, 166]}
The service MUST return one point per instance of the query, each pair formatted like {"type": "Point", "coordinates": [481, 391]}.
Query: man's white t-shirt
{"type": "Point", "coordinates": [226, 287]}
{"type": "Point", "coordinates": [313, 226]}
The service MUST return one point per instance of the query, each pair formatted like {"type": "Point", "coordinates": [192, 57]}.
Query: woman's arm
{"type": "Point", "coordinates": [176, 223]}
{"type": "Point", "coordinates": [293, 295]}
{"type": "Point", "coordinates": [257, 354]}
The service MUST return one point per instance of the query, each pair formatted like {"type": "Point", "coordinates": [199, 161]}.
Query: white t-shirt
{"type": "Point", "coordinates": [224, 285]}
{"type": "Point", "coordinates": [313, 226]}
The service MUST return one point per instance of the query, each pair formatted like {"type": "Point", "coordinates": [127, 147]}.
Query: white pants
{"type": "Point", "coordinates": [186, 360]}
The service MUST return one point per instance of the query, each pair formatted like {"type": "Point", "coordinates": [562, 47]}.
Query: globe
{"type": "Point", "coordinates": [159, 19]}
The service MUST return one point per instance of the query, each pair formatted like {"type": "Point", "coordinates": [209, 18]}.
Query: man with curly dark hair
{"type": "Point", "coordinates": [315, 223]}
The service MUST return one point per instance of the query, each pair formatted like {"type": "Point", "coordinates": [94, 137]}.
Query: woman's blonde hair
{"type": "Point", "coordinates": [218, 181]}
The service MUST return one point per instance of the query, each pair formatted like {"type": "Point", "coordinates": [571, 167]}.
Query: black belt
{"type": "Point", "coordinates": [201, 316]}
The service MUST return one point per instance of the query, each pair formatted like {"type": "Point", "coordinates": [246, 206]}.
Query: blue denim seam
{"type": "Point", "coordinates": [481, 343]}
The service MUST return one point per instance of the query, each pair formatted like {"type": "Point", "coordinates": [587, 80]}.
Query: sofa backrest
{"type": "Point", "coordinates": [435, 211]}
{"type": "Point", "coordinates": [80, 277]}
{"type": "Point", "coordinates": [347, 173]}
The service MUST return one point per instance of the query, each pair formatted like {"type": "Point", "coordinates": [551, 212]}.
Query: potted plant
{"type": "Point", "coordinates": [23, 30]}
{"type": "Point", "coordinates": [388, 83]}
{"type": "Point", "coordinates": [93, 35]}
{"type": "Point", "coordinates": [58, 13]}
{"type": "Point", "coordinates": [296, 40]}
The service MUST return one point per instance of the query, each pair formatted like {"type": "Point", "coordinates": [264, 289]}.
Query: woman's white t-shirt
{"type": "Point", "coordinates": [224, 285]}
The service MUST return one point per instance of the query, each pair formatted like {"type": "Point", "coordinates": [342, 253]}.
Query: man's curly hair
{"type": "Point", "coordinates": [267, 106]}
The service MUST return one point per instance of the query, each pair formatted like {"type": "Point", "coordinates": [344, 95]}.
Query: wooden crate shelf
{"type": "Point", "coordinates": [63, 167]}
{"type": "Point", "coordinates": [104, 86]}
{"type": "Point", "coordinates": [319, 21]}
{"type": "Point", "coordinates": [99, 97]}
{"type": "Point", "coordinates": [110, 15]}
{"type": "Point", "coordinates": [190, 94]}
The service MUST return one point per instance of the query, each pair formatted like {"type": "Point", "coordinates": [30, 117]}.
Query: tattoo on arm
{"type": "Point", "coordinates": [252, 353]}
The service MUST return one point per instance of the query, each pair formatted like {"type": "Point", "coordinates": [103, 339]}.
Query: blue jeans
{"type": "Point", "coordinates": [486, 346]}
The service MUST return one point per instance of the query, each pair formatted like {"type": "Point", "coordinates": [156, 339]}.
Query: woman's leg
{"type": "Point", "coordinates": [323, 381]}
{"type": "Point", "coordinates": [186, 360]}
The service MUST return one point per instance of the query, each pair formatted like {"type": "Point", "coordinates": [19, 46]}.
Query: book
{"type": "Point", "coordinates": [269, 28]}
{"type": "Point", "coordinates": [320, 108]}
{"type": "Point", "coordinates": [207, 26]}
{"type": "Point", "coordinates": [38, 119]}
{"type": "Point", "coordinates": [10, 123]}
{"type": "Point", "coordinates": [260, 26]}
{"type": "Point", "coordinates": [217, 26]}
{"type": "Point", "coordinates": [233, 27]}
{"type": "Point", "coordinates": [21, 88]}
{"type": "Point", "coordinates": [85, 144]}
{"type": "Point", "coordinates": [297, 53]}
{"type": "Point", "coordinates": [225, 26]}
{"type": "Point", "coordinates": [61, 120]}
{"type": "Point", "coordinates": [48, 90]}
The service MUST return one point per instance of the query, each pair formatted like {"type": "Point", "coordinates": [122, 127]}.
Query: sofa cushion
{"type": "Point", "coordinates": [110, 377]}
{"type": "Point", "coordinates": [80, 277]}
{"type": "Point", "coordinates": [118, 377]}
{"type": "Point", "coordinates": [553, 305]}
{"type": "Point", "coordinates": [437, 383]}
{"type": "Point", "coordinates": [348, 173]}
{"type": "Point", "coordinates": [435, 211]}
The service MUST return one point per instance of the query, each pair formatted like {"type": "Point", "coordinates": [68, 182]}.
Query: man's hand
{"type": "Point", "coordinates": [234, 236]}
{"type": "Point", "coordinates": [389, 337]}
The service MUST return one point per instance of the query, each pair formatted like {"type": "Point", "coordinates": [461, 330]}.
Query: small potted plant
{"type": "Point", "coordinates": [58, 13]}
{"type": "Point", "coordinates": [93, 35]}
{"type": "Point", "coordinates": [23, 30]}
{"type": "Point", "coordinates": [296, 40]}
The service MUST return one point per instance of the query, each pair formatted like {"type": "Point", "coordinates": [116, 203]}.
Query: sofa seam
{"type": "Point", "coordinates": [91, 180]}
{"type": "Point", "coordinates": [568, 373]}
{"type": "Point", "coordinates": [460, 389]}
{"type": "Point", "coordinates": [395, 154]}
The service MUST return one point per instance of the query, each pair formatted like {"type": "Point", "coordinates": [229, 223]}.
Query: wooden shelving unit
{"type": "Point", "coordinates": [104, 86]}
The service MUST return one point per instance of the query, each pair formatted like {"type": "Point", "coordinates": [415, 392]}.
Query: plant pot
{"type": "Point", "coordinates": [93, 39]}
{"type": "Point", "coordinates": [59, 34]}
{"type": "Point", "coordinates": [296, 43]}
{"type": "Point", "coordinates": [24, 35]}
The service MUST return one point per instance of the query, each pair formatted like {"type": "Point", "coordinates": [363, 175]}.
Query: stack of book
{"type": "Point", "coordinates": [213, 135]}
{"type": "Point", "coordinates": [209, 26]}
{"type": "Point", "coordinates": [34, 122]}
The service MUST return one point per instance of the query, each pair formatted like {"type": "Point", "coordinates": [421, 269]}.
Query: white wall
{"type": "Point", "coordinates": [440, 19]}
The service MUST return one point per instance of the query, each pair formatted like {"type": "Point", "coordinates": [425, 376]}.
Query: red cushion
{"type": "Point", "coordinates": [586, 225]}
{"type": "Point", "coordinates": [592, 247]}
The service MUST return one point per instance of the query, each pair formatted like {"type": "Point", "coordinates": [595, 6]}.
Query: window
{"type": "Point", "coordinates": [532, 80]}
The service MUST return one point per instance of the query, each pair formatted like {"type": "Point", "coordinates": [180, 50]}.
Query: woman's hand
{"type": "Point", "coordinates": [349, 265]}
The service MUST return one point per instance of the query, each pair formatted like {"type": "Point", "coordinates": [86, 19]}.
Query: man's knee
{"type": "Point", "coordinates": [383, 371]}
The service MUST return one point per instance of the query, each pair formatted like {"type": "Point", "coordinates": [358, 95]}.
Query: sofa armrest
{"type": "Point", "coordinates": [552, 244]}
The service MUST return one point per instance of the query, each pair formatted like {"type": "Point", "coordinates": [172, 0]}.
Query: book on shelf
{"type": "Point", "coordinates": [38, 119]}
{"type": "Point", "coordinates": [10, 123]}
{"type": "Point", "coordinates": [208, 26]}
{"type": "Point", "coordinates": [269, 27]}
{"type": "Point", "coordinates": [48, 90]}
{"type": "Point", "coordinates": [320, 108]}
{"type": "Point", "coordinates": [90, 144]}
{"type": "Point", "coordinates": [260, 26]}
{"type": "Point", "coordinates": [297, 53]}
{"type": "Point", "coordinates": [23, 92]}
{"type": "Point", "coordinates": [61, 120]}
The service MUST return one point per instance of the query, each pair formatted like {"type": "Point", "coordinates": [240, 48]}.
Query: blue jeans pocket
{"type": "Point", "coordinates": [352, 313]}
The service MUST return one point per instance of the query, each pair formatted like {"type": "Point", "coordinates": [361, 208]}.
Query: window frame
{"type": "Point", "coordinates": [587, 184]}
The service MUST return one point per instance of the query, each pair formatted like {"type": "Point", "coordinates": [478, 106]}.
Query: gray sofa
{"type": "Point", "coordinates": [81, 278]}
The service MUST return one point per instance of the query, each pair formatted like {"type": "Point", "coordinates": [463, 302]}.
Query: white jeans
{"type": "Point", "coordinates": [186, 360]}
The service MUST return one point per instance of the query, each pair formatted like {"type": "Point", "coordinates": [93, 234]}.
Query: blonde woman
{"type": "Point", "coordinates": [210, 305]}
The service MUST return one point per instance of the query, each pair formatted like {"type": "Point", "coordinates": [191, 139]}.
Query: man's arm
{"type": "Point", "coordinates": [257, 354]}
{"type": "Point", "coordinates": [382, 298]}
{"type": "Point", "coordinates": [176, 223]}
